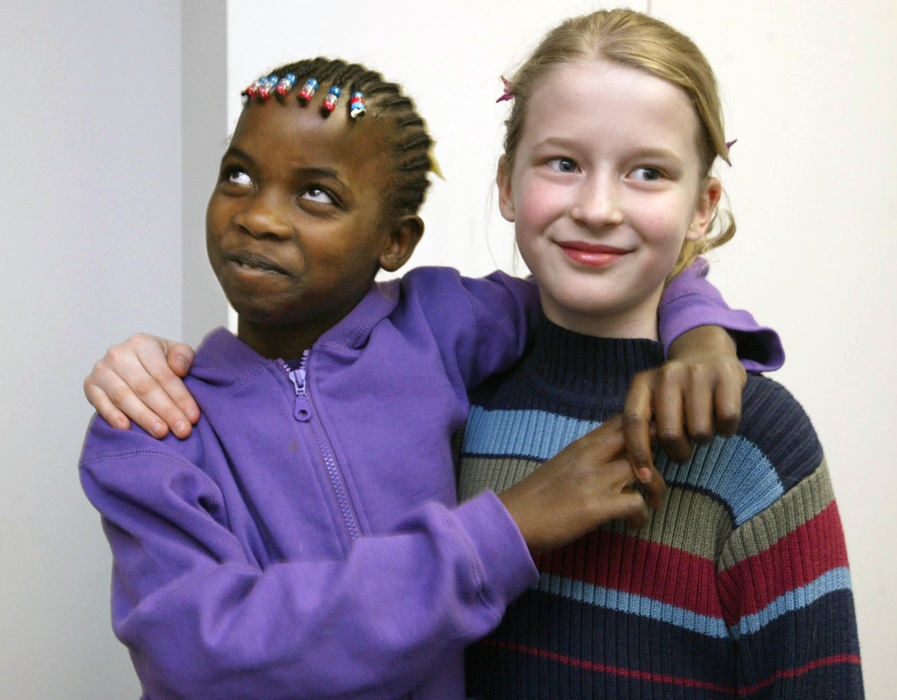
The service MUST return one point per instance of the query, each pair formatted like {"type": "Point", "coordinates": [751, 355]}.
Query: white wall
{"type": "Point", "coordinates": [95, 166]}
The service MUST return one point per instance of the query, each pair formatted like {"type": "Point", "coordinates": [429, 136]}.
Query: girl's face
{"type": "Point", "coordinates": [297, 225]}
{"type": "Point", "coordinates": [606, 186]}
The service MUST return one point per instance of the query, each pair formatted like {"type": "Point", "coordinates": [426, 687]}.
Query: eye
{"type": "Point", "coordinates": [563, 165]}
{"type": "Point", "coordinates": [238, 176]}
{"type": "Point", "coordinates": [318, 195]}
{"type": "Point", "coordinates": [646, 174]}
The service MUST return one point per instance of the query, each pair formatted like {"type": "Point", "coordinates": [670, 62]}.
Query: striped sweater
{"type": "Point", "coordinates": [737, 586]}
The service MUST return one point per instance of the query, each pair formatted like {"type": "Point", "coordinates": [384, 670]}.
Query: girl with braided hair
{"type": "Point", "coordinates": [305, 539]}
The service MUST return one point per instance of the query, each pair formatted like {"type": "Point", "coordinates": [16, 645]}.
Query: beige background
{"type": "Point", "coordinates": [115, 114]}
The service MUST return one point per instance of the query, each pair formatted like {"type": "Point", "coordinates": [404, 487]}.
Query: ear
{"type": "Point", "coordinates": [505, 191]}
{"type": "Point", "coordinates": [402, 241]}
{"type": "Point", "coordinates": [703, 216]}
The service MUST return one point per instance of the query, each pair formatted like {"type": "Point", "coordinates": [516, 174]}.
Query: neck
{"type": "Point", "coordinates": [636, 321]}
{"type": "Point", "coordinates": [273, 342]}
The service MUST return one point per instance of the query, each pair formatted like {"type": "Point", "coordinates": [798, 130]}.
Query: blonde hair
{"type": "Point", "coordinates": [647, 44]}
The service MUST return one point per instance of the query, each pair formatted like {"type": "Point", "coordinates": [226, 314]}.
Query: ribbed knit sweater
{"type": "Point", "coordinates": [737, 586]}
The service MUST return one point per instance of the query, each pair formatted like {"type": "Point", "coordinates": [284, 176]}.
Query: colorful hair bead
{"type": "Point", "coordinates": [329, 103]}
{"type": "Point", "coordinates": [286, 84]}
{"type": "Point", "coordinates": [356, 105]}
{"type": "Point", "coordinates": [253, 89]}
{"type": "Point", "coordinates": [307, 91]}
{"type": "Point", "coordinates": [266, 86]}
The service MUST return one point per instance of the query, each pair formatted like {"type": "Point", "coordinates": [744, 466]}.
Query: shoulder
{"type": "Point", "coordinates": [774, 450]}
{"type": "Point", "coordinates": [774, 421]}
{"type": "Point", "coordinates": [103, 443]}
{"type": "Point", "coordinates": [446, 285]}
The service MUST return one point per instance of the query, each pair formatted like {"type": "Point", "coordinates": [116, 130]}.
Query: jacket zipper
{"type": "Point", "coordinates": [304, 413]}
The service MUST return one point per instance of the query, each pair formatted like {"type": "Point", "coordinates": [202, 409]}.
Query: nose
{"type": "Point", "coordinates": [264, 215]}
{"type": "Point", "coordinates": [597, 202]}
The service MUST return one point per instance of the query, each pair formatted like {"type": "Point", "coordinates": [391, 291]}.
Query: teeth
{"type": "Point", "coordinates": [260, 268]}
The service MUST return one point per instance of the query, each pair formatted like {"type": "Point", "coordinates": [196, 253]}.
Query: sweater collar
{"type": "Point", "coordinates": [570, 362]}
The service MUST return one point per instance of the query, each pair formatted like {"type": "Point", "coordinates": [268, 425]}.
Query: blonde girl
{"type": "Point", "coordinates": [738, 585]}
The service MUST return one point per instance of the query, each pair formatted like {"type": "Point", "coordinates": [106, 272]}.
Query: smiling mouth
{"type": "Point", "coordinates": [591, 254]}
{"type": "Point", "coordinates": [255, 263]}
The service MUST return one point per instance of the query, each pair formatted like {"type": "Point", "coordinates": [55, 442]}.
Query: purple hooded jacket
{"type": "Point", "coordinates": [305, 541]}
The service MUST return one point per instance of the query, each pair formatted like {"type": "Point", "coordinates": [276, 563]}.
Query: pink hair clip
{"type": "Point", "coordinates": [507, 94]}
{"type": "Point", "coordinates": [731, 143]}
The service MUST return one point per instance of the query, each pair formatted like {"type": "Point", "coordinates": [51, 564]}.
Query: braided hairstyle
{"type": "Point", "coordinates": [406, 130]}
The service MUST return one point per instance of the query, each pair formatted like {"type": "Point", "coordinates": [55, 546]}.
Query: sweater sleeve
{"type": "Point", "coordinates": [203, 617]}
{"type": "Point", "coordinates": [690, 301]}
{"type": "Point", "coordinates": [786, 596]}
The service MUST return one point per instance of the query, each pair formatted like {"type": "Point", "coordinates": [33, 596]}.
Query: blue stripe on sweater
{"type": "Point", "coordinates": [831, 581]}
{"type": "Point", "coordinates": [734, 470]}
{"type": "Point", "coordinates": [632, 604]}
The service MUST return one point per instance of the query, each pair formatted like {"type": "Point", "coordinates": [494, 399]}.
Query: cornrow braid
{"type": "Point", "coordinates": [406, 131]}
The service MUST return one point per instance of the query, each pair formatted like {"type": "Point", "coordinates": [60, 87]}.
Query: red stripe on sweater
{"type": "Point", "coordinates": [676, 680]}
{"type": "Point", "coordinates": [799, 558]}
{"type": "Point", "coordinates": [640, 567]}
{"type": "Point", "coordinates": [797, 672]}
{"type": "Point", "coordinates": [613, 670]}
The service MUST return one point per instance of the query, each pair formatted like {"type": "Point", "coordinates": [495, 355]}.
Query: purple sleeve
{"type": "Point", "coordinates": [690, 301]}
{"type": "Point", "coordinates": [203, 618]}
{"type": "Point", "coordinates": [481, 325]}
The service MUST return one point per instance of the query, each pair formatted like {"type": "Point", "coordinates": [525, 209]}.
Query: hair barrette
{"type": "Point", "coordinates": [307, 91]}
{"type": "Point", "coordinates": [356, 105]}
{"type": "Point", "coordinates": [507, 94]}
{"type": "Point", "coordinates": [731, 143]}
{"type": "Point", "coordinates": [329, 103]}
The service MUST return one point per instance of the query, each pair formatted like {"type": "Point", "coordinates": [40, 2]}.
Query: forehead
{"type": "Point", "coordinates": [287, 134]}
{"type": "Point", "coordinates": [616, 103]}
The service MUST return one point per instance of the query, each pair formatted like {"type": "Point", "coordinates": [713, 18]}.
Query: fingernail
{"type": "Point", "coordinates": [644, 475]}
{"type": "Point", "coordinates": [158, 429]}
{"type": "Point", "coordinates": [181, 363]}
{"type": "Point", "coordinates": [181, 428]}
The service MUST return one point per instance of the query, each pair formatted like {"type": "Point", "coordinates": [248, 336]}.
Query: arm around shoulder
{"type": "Point", "coordinates": [690, 300]}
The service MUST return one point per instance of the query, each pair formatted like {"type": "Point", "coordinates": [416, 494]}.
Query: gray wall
{"type": "Point", "coordinates": [90, 186]}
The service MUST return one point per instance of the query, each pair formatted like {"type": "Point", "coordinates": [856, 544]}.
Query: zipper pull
{"type": "Point", "coordinates": [302, 406]}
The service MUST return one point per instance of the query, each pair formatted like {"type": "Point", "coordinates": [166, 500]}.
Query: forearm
{"type": "Point", "coordinates": [203, 618]}
{"type": "Point", "coordinates": [690, 301]}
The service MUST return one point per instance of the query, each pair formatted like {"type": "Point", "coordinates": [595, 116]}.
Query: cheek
{"type": "Point", "coordinates": [537, 203]}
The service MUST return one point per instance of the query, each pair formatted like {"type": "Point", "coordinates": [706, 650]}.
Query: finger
{"type": "Point", "coordinates": [727, 403]}
{"type": "Point", "coordinates": [104, 406]}
{"type": "Point", "coordinates": [670, 419]}
{"type": "Point", "coordinates": [699, 407]}
{"type": "Point", "coordinates": [637, 412]}
{"type": "Point", "coordinates": [606, 442]}
{"type": "Point", "coordinates": [632, 508]}
{"type": "Point", "coordinates": [168, 375]}
{"type": "Point", "coordinates": [126, 375]}
{"type": "Point", "coordinates": [110, 388]}
{"type": "Point", "coordinates": [654, 489]}
{"type": "Point", "coordinates": [157, 385]}
{"type": "Point", "coordinates": [180, 358]}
